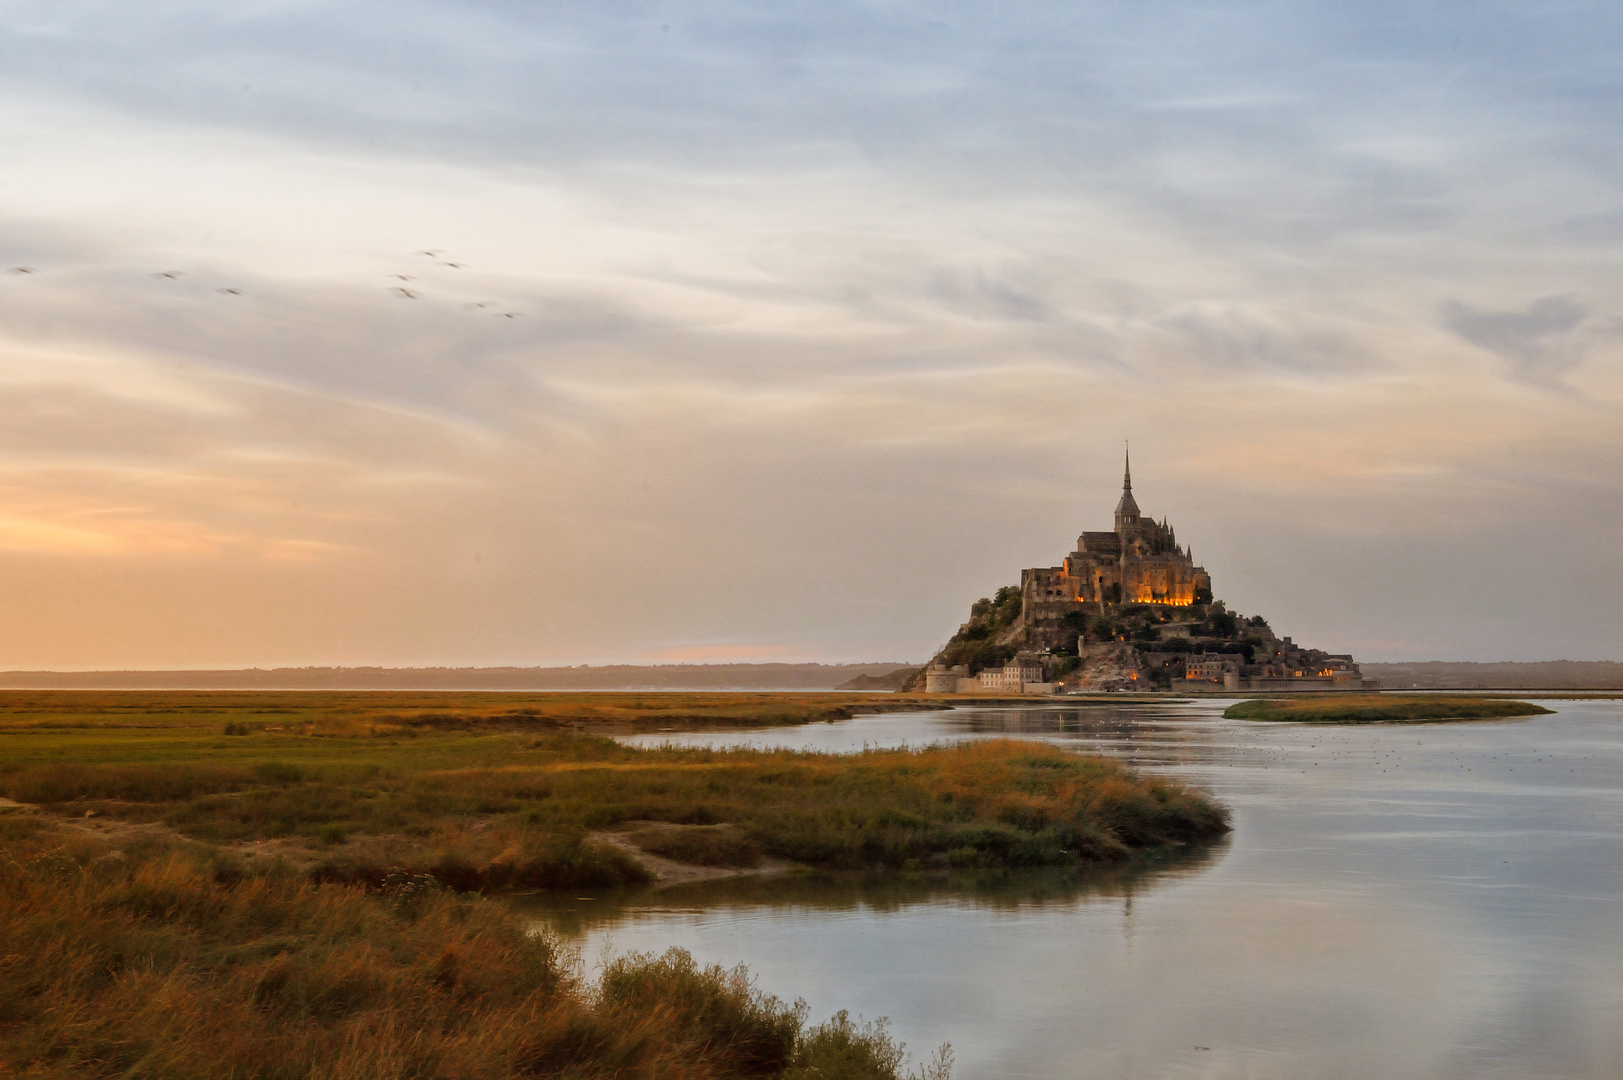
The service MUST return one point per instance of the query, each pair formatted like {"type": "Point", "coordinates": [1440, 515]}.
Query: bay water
{"type": "Point", "coordinates": [1395, 901]}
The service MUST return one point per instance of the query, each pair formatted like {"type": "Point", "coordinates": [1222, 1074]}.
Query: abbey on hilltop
{"type": "Point", "coordinates": [1128, 609]}
{"type": "Point", "coordinates": [1139, 562]}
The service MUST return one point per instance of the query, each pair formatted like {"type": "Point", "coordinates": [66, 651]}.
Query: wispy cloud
{"type": "Point", "coordinates": [1538, 340]}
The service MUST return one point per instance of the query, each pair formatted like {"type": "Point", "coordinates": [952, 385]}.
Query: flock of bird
{"type": "Point", "coordinates": [403, 291]}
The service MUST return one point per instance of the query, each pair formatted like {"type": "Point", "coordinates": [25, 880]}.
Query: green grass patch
{"type": "Point", "coordinates": [1381, 709]}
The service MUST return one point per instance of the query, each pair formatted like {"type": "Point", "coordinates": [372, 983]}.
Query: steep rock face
{"type": "Point", "coordinates": [1108, 666]}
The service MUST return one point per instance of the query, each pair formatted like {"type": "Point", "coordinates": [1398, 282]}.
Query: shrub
{"type": "Point", "coordinates": [841, 1050]}
{"type": "Point", "coordinates": [720, 1009]}
{"type": "Point", "coordinates": [1063, 666]}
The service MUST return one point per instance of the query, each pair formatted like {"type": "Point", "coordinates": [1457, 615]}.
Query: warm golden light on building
{"type": "Point", "coordinates": [1115, 615]}
{"type": "Point", "coordinates": [1137, 562]}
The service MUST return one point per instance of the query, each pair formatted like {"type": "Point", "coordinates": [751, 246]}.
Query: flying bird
{"type": "Point", "coordinates": [402, 277]}
{"type": "Point", "coordinates": [230, 292]}
{"type": "Point", "coordinates": [433, 253]}
{"type": "Point", "coordinates": [23, 270]}
{"type": "Point", "coordinates": [406, 294]}
{"type": "Point", "coordinates": [477, 304]}
{"type": "Point", "coordinates": [509, 315]}
{"type": "Point", "coordinates": [170, 274]}
{"type": "Point", "coordinates": [453, 266]}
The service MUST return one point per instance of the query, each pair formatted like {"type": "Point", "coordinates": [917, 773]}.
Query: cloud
{"type": "Point", "coordinates": [1539, 340]}
{"type": "Point", "coordinates": [1230, 337]}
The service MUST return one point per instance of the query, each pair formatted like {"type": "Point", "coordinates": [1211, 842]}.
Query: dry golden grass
{"type": "Point", "coordinates": [350, 714]}
{"type": "Point", "coordinates": [492, 801]}
{"type": "Point", "coordinates": [155, 964]}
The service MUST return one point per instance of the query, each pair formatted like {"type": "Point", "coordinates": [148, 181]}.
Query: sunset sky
{"type": "Point", "coordinates": [785, 331]}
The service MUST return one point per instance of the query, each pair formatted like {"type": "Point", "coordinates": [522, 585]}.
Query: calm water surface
{"type": "Point", "coordinates": [1439, 901]}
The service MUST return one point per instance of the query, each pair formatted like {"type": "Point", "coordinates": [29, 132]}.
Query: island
{"type": "Point", "coordinates": [1128, 610]}
{"type": "Point", "coordinates": [1383, 709]}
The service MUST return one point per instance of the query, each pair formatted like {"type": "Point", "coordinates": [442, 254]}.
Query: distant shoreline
{"type": "Point", "coordinates": [715, 677]}
{"type": "Point", "coordinates": [1541, 676]}
{"type": "Point", "coordinates": [1464, 675]}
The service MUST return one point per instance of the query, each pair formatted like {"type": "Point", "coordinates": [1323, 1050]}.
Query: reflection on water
{"type": "Point", "coordinates": [1007, 892]}
{"type": "Point", "coordinates": [1410, 901]}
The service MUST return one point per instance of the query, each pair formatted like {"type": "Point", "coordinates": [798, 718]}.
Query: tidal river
{"type": "Point", "coordinates": [1395, 902]}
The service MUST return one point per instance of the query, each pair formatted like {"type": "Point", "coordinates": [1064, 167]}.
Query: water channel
{"type": "Point", "coordinates": [1428, 901]}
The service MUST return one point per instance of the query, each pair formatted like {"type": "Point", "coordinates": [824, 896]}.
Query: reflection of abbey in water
{"type": "Point", "coordinates": [1128, 609]}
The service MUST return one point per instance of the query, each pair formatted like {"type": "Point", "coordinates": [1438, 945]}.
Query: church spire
{"type": "Point", "coordinates": [1127, 508]}
{"type": "Point", "coordinates": [1127, 472]}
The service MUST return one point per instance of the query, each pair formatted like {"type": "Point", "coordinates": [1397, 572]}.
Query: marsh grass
{"type": "Point", "coordinates": [493, 804]}
{"type": "Point", "coordinates": [700, 845]}
{"type": "Point", "coordinates": [294, 898]}
{"type": "Point", "coordinates": [161, 965]}
{"type": "Point", "coordinates": [386, 714]}
{"type": "Point", "coordinates": [527, 824]}
{"type": "Point", "coordinates": [1381, 708]}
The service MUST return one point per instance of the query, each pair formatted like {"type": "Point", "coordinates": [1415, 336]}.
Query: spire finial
{"type": "Point", "coordinates": [1127, 474]}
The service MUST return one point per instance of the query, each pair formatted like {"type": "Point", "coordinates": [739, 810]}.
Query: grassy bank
{"type": "Point", "coordinates": [157, 959]}
{"type": "Point", "coordinates": [286, 885]}
{"type": "Point", "coordinates": [1381, 709]}
{"type": "Point", "coordinates": [382, 713]}
{"type": "Point", "coordinates": [492, 800]}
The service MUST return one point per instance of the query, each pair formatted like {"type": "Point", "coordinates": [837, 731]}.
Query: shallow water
{"type": "Point", "coordinates": [1438, 901]}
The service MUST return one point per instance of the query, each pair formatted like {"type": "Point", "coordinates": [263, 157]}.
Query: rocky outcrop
{"type": "Point", "coordinates": [1109, 666]}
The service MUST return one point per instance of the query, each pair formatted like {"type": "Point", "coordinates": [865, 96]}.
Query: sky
{"type": "Point", "coordinates": [530, 333]}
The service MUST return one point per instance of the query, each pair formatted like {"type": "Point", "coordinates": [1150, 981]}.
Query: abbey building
{"type": "Point", "coordinates": [1137, 562]}
{"type": "Point", "coordinates": [1129, 609]}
